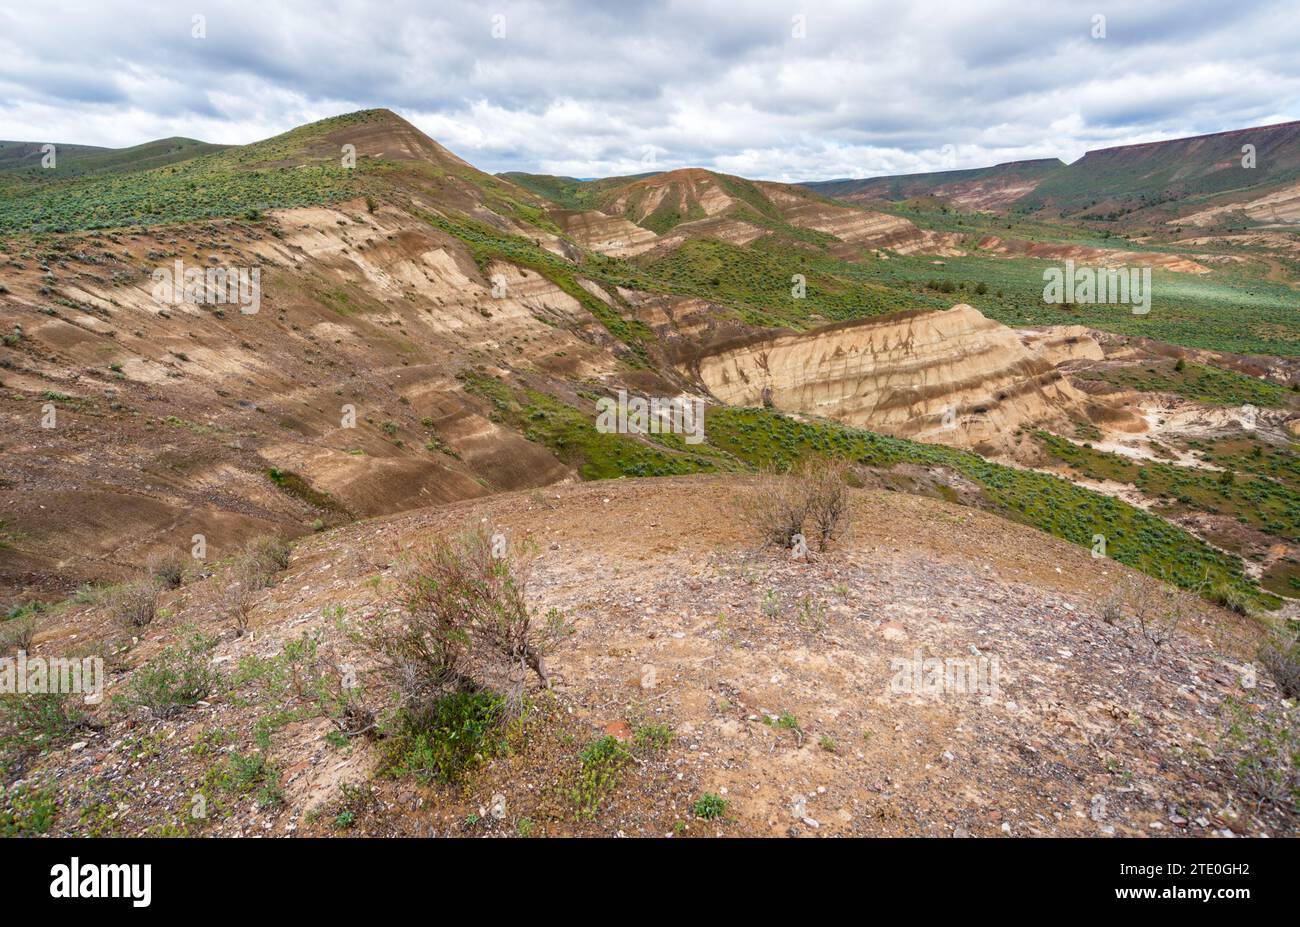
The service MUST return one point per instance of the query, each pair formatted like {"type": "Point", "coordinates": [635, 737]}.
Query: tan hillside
{"type": "Point", "coordinates": [952, 377]}
{"type": "Point", "coordinates": [991, 189]}
{"type": "Point", "coordinates": [1100, 257]}
{"type": "Point", "coordinates": [175, 416]}
{"type": "Point", "coordinates": [693, 203]}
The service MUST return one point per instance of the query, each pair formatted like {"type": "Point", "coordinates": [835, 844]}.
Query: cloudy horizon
{"type": "Point", "coordinates": [790, 91]}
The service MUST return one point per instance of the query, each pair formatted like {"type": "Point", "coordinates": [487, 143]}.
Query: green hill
{"type": "Point", "coordinates": [22, 160]}
{"type": "Point", "coordinates": [999, 182]}
{"type": "Point", "coordinates": [1170, 177]}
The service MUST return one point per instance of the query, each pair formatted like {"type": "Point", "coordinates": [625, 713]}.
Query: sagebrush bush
{"type": "Point", "coordinates": [167, 568]}
{"type": "Point", "coordinates": [827, 497]}
{"type": "Point", "coordinates": [1280, 655]}
{"type": "Point", "coordinates": [134, 604]}
{"type": "Point", "coordinates": [233, 603]}
{"type": "Point", "coordinates": [810, 501]}
{"type": "Point", "coordinates": [1264, 750]}
{"type": "Point", "coordinates": [466, 622]}
{"type": "Point", "coordinates": [260, 561]}
{"type": "Point", "coordinates": [1111, 608]}
{"type": "Point", "coordinates": [17, 634]}
{"type": "Point", "coordinates": [174, 680]}
{"type": "Point", "coordinates": [464, 634]}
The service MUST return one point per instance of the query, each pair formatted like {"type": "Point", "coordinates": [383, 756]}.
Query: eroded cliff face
{"type": "Point", "coordinates": [605, 234]}
{"type": "Point", "coordinates": [951, 377]}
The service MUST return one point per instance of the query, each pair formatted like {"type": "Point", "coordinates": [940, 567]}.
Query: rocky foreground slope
{"type": "Point", "coordinates": [725, 671]}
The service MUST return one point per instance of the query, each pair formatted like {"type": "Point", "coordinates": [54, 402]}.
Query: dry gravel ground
{"type": "Point", "coordinates": [678, 619]}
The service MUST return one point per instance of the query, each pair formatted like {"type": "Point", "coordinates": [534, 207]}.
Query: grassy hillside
{"type": "Point", "coordinates": [1113, 182]}
{"type": "Point", "coordinates": [20, 162]}
{"type": "Point", "coordinates": [1199, 383]}
{"type": "Point", "coordinates": [757, 281]}
{"type": "Point", "coordinates": [747, 439]}
{"type": "Point", "coordinates": [106, 189]}
{"type": "Point", "coordinates": [907, 186]}
{"type": "Point", "coordinates": [1229, 310]}
{"type": "Point", "coordinates": [570, 192]}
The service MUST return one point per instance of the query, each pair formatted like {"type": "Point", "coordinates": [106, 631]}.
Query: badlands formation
{"type": "Point", "coordinates": [951, 377]}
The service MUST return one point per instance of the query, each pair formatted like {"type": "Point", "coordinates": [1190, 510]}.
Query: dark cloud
{"type": "Point", "coordinates": [592, 88]}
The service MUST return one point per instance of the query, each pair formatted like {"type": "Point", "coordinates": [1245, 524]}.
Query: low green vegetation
{"type": "Point", "coordinates": [602, 763]}
{"type": "Point", "coordinates": [1258, 501]}
{"type": "Point", "coordinates": [293, 169]}
{"type": "Point", "coordinates": [1280, 463]}
{"type": "Point", "coordinates": [178, 678]}
{"type": "Point", "coordinates": [757, 281]}
{"type": "Point", "coordinates": [571, 434]}
{"type": "Point", "coordinates": [204, 188]}
{"type": "Point", "coordinates": [1198, 382]}
{"type": "Point", "coordinates": [748, 439]}
{"type": "Point", "coordinates": [1232, 309]}
{"type": "Point", "coordinates": [446, 740]}
{"type": "Point", "coordinates": [27, 811]}
{"type": "Point", "coordinates": [248, 774]}
{"type": "Point", "coordinates": [298, 487]}
{"type": "Point", "coordinates": [709, 807]}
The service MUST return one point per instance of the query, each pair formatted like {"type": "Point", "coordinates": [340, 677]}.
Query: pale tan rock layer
{"type": "Point", "coordinates": [1097, 257]}
{"type": "Point", "coordinates": [951, 377]}
{"type": "Point", "coordinates": [612, 235]}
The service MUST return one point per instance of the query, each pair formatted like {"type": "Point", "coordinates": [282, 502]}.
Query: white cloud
{"type": "Point", "coordinates": [583, 88]}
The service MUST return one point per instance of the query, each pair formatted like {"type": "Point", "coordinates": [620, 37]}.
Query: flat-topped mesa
{"type": "Point", "coordinates": [951, 377]}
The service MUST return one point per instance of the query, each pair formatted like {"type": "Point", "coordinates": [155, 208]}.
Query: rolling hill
{"type": "Point", "coordinates": [1202, 180]}
{"type": "Point", "coordinates": [989, 188]}
{"type": "Point", "coordinates": [1158, 181]}
{"type": "Point", "coordinates": [21, 161]}
{"type": "Point", "coordinates": [693, 203]}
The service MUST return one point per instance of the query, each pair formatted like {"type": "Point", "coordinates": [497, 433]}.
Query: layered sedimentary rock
{"type": "Point", "coordinates": [1096, 257]}
{"type": "Point", "coordinates": [856, 226]}
{"type": "Point", "coordinates": [952, 377]}
{"type": "Point", "coordinates": [1058, 344]}
{"type": "Point", "coordinates": [1281, 205]}
{"type": "Point", "coordinates": [612, 235]}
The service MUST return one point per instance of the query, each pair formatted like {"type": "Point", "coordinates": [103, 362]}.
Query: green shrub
{"type": "Point", "coordinates": [710, 806]}
{"type": "Point", "coordinates": [447, 739]}
{"type": "Point", "coordinates": [174, 680]}
{"type": "Point", "coordinates": [26, 811]}
{"type": "Point", "coordinates": [602, 764]}
{"type": "Point", "coordinates": [39, 720]}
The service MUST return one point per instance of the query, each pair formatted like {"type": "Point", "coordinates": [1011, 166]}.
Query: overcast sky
{"type": "Point", "coordinates": [592, 89]}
